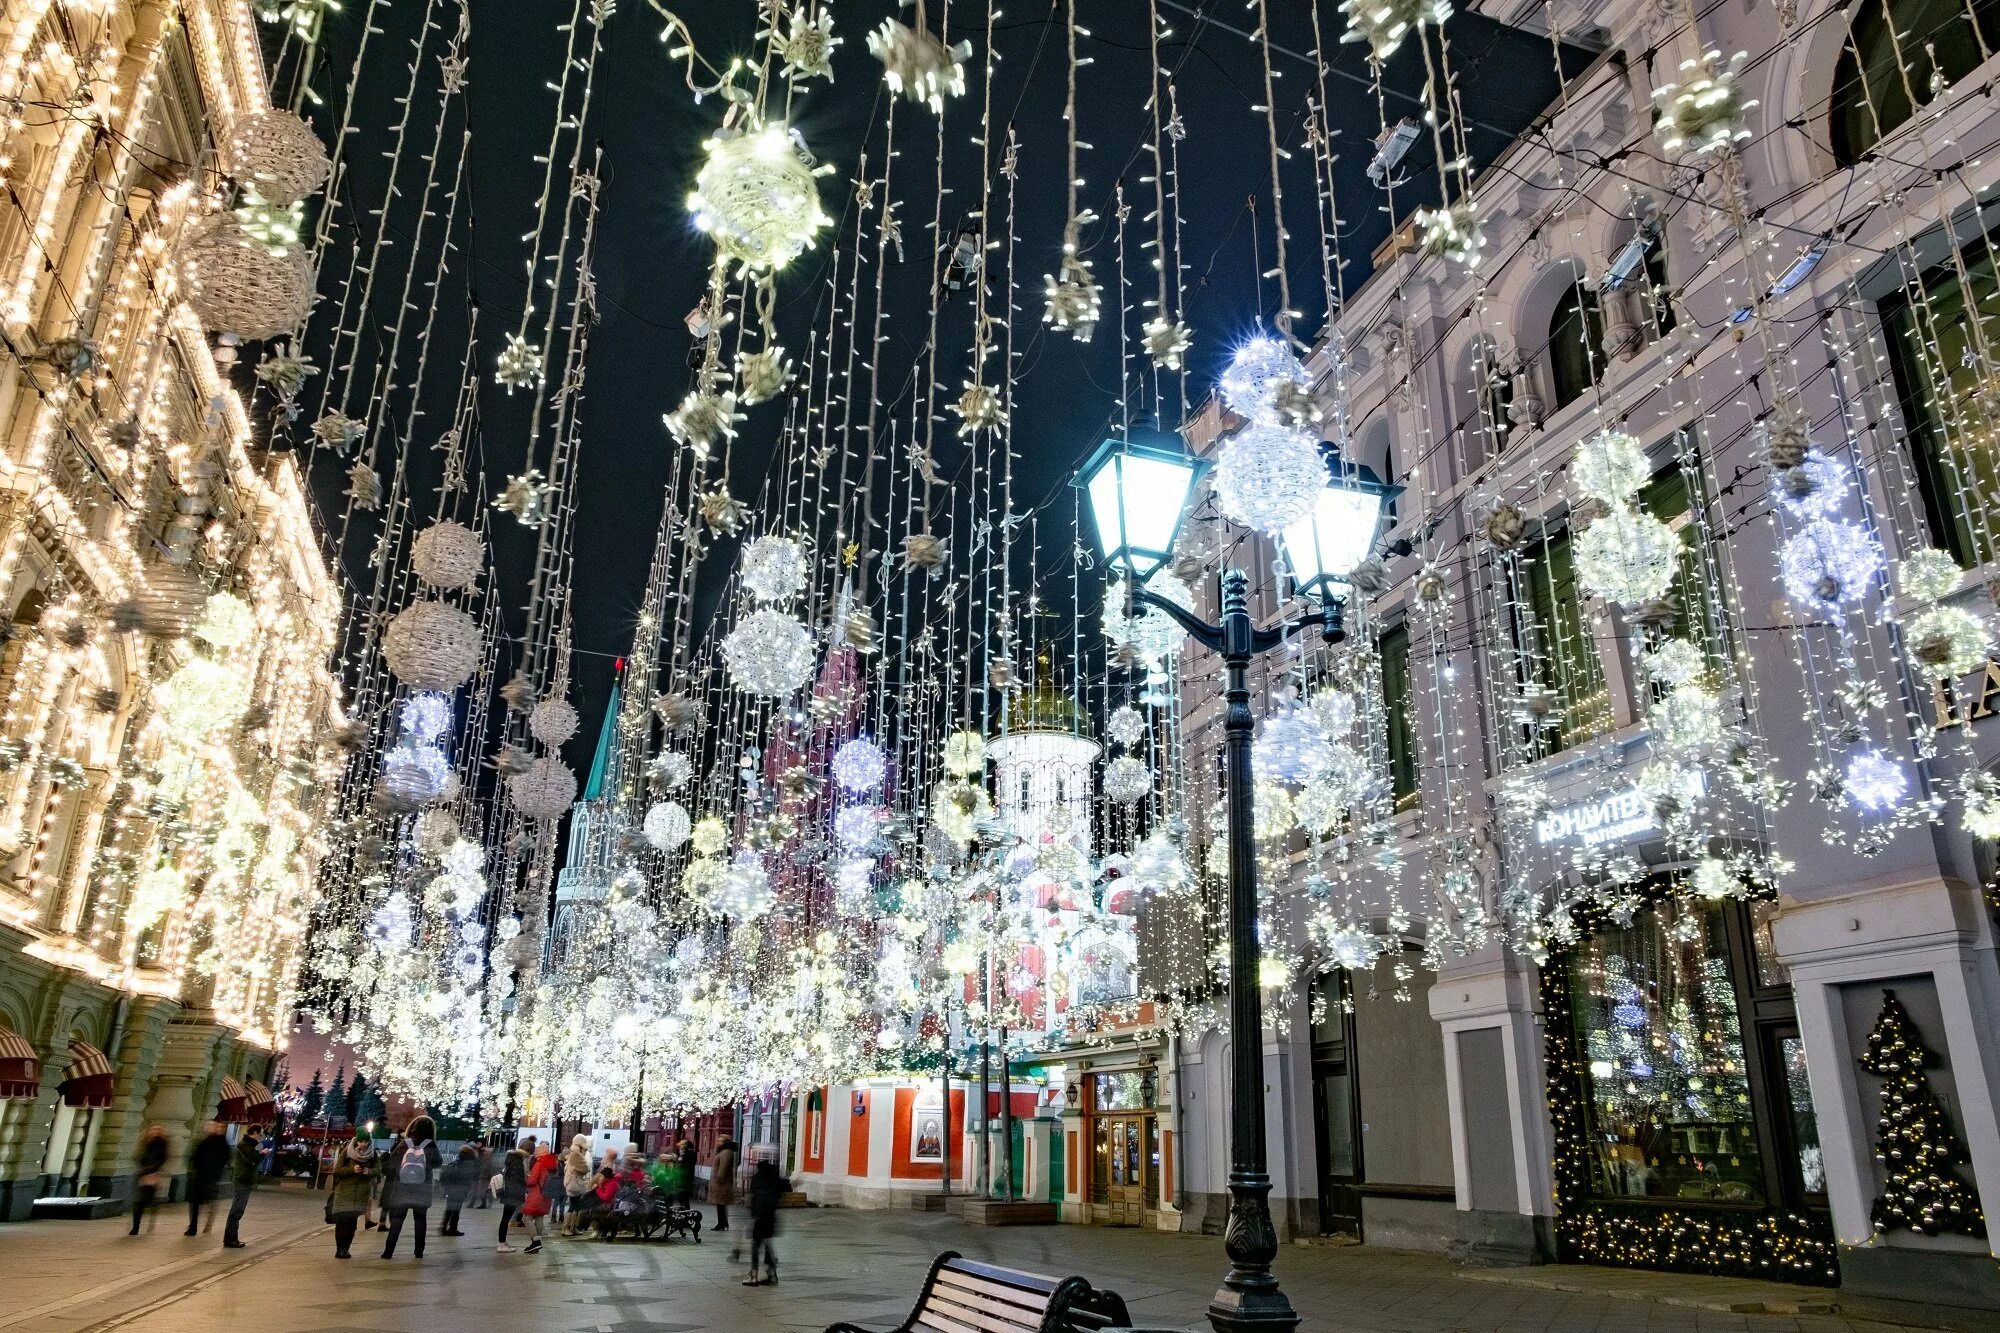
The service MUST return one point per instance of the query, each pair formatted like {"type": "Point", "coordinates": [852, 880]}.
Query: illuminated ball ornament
{"type": "Point", "coordinates": [158, 892]}
{"type": "Point", "coordinates": [1292, 748]}
{"type": "Point", "coordinates": [774, 568]}
{"type": "Point", "coordinates": [1828, 563]}
{"type": "Point", "coordinates": [1349, 944]}
{"type": "Point", "coordinates": [756, 198]}
{"type": "Point", "coordinates": [958, 808]}
{"type": "Point", "coordinates": [1706, 112]}
{"type": "Point", "coordinates": [671, 770]}
{"type": "Point", "coordinates": [1816, 488]}
{"type": "Point", "coordinates": [710, 836]}
{"type": "Point", "coordinates": [1257, 368]}
{"type": "Point", "coordinates": [226, 622]}
{"type": "Point", "coordinates": [413, 775]}
{"type": "Point", "coordinates": [859, 828]}
{"type": "Point", "coordinates": [1127, 780]}
{"type": "Point", "coordinates": [1268, 477]}
{"type": "Point", "coordinates": [432, 645]}
{"type": "Point", "coordinates": [1609, 466]}
{"type": "Point", "coordinates": [202, 697]}
{"type": "Point", "coordinates": [277, 154]}
{"type": "Point", "coordinates": [1713, 879]}
{"type": "Point", "coordinates": [1158, 866]}
{"type": "Point", "coordinates": [1945, 642]}
{"type": "Point", "coordinates": [745, 891]}
{"type": "Point", "coordinates": [1982, 806]}
{"type": "Point", "coordinates": [769, 653]}
{"type": "Point", "coordinates": [666, 826]}
{"type": "Point", "coordinates": [1149, 635]}
{"type": "Point", "coordinates": [237, 284]}
{"type": "Point", "coordinates": [1319, 807]}
{"type": "Point", "coordinates": [1672, 663]}
{"type": "Point", "coordinates": [424, 716]}
{"type": "Point", "coordinates": [1275, 816]}
{"type": "Point", "coordinates": [1627, 556]}
{"type": "Point", "coordinates": [1874, 782]}
{"type": "Point", "coordinates": [964, 754]}
{"type": "Point", "coordinates": [545, 791]}
{"type": "Point", "coordinates": [1336, 710]}
{"type": "Point", "coordinates": [448, 555]}
{"type": "Point", "coordinates": [917, 65]}
{"type": "Point", "coordinates": [1928, 575]}
{"type": "Point", "coordinates": [859, 765]}
{"type": "Point", "coordinates": [1126, 725]}
{"type": "Point", "coordinates": [553, 721]}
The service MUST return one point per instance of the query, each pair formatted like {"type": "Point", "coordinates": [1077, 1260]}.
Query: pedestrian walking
{"type": "Point", "coordinates": [767, 1187]}
{"type": "Point", "coordinates": [354, 1168]}
{"type": "Point", "coordinates": [457, 1181]}
{"type": "Point", "coordinates": [246, 1164]}
{"type": "Point", "coordinates": [545, 1186]}
{"type": "Point", "coordinates": [408, 1173]}
{"type": "Point", "coordinates": [152, 1165]}
{"type": "Point", "coordinates": [512, 1188]}
{"type": "Point", "coordinates": [722, 1180]}
{"type": "Point", "coordinates": [577, 1182]}
{"type": "Point", "coordinates": [482, 1184]}
{"type": "Point", "coordinates": [687, 1173]}
{"type": "Point", "coordinates": [208, 1162]}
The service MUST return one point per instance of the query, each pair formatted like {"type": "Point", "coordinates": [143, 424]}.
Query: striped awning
{"type": "Point", "coordinates": [90, 1077]}
{"type": "Point", "coordinates": [20, 1067]}
{"type": "Point", "coordinates": [229, 1106]}
{"type": "Point", "coordinates": [258, 1103]}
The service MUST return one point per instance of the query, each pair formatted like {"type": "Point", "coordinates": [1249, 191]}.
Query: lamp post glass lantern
{"type": "Point", "coordinates": [1323, 548]}
{"type": "Point", "coordinates": [1249, 1297]}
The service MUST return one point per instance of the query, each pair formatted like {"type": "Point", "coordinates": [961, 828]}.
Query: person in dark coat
{"type": "Point", "coordinates": [207, 1161]}
{"type": "Point", "coordinates": [246, 1164]}
{"type": "Point", "coordinates": [722, 1180]}
{"type": "Point", "coordinates": [687, 1173]}
{"type": "Point", "coordinates": [354, 1170]}
{"type": "Point", "coordinates": [457, 1180]}
{"type": "Point", "coordinates": [409, 1170]}
{"type": "Point", "coordinates": [513, 1187]}
{"type": "Point", "coordinates": [151, 1163]}
{"type": "Point", "coordinates": [767, 1187]}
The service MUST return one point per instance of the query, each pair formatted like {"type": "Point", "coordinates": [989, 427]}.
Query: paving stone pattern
{"type": "Point", "coordinates": [90, 1277]}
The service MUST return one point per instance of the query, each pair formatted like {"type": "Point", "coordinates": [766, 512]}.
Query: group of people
{"type": "Point", "coordinates": [211, 1162]}
{"type": "Point", "coordinates": [394, 1188]}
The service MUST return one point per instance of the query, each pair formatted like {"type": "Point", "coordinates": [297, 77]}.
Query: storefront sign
{"type": "Point", "coordinates": [1977, 698]}
{"type": "Point", "coordinates": [1623, 814]}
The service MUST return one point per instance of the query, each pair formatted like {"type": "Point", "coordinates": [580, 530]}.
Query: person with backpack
{"type": "Point", "coordinates": [408, 1170]}
{"type": "Point", "coordinates": [512, 1187]}
{"type": "Point", "coordinates": [767, 1188]}
{"type": "Point", "coordinates": [457, 1180]}
{"type": "Point", "coordinates": [545, 1185]}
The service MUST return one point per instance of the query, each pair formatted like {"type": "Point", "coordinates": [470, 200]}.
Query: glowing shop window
{"type": "Point", "coordinates": [1665, 1091]}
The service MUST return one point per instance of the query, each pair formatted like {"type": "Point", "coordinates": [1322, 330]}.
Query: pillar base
{"type": "Point", "coordinates": [1956, 1280]}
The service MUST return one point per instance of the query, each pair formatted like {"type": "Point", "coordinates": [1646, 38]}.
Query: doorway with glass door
{"type": "Point", "coordinates": [1336, 1112]}
{"type": "Point", "coordinates": [1125, 1170]}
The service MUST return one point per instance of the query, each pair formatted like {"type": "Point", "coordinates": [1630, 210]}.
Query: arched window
{"type": "Point", "coordinates": [1576, 344]}
{"type": "Point", "coordinates": [1487, 394]}
{"type": "Point", "coordinates": [1896, 48]}
{"type": "Point", "coordinates": [1658, 295]}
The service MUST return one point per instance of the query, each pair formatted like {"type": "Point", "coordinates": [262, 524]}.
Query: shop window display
{"type": "Point", "coordinates": [1666, 1084]}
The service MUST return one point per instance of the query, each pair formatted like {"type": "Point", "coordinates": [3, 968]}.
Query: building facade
{"type": "Point", "coordinates": [1687, 1079]}
{"type": "Point", "coordinates": [165, 745]}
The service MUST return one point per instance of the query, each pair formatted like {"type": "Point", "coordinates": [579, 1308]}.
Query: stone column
{"type": "Point", "coordinates": [121, 1124]}
{"type": "Point", "coordinates": [182, 1093]}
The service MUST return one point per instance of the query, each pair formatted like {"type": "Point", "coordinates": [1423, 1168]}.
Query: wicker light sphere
{"type": "Point", "coordinates": [774, 568]}
{"type": "Point", "coordinates": [414, 775]}
{"type": "Point", "coordinates": [859, 765]}
{"type": "Point", "coordinates": [769, 653]}
{"type": "Point", "coordinates": [236, 284]}
{"type": "Point", "coordinates": [710, 835]}
{"type": "Point", "coordinates": [745, 892]}
{"type": "Point", "coordinates": [448, 555]}
{"type": "Point", "coordinates": [436, 833]}
{"type": "Point", "coordinates": [276, 154]}
{"type": "Point", "coordinates": [1610, 466]}
{"type": "Point", "coordinates": [756, 197]}
{"type": "Point", "coordinates": [553, 721]}
{"type": "Point", "coordinates": [1126, 725]}
{"type": "Point", "coordinates": [545, 790]}
{"type": "Point", "coordinates": [202, 697]}
{"type": "Point", "coordinates": [666, 826]}
{"type": "Point", "coordinates": [1268, 477]}
{"type": "Point", "coordinates": [964, 753]}
{"type": "Point", "coordinates": [1828, 563]}
{"type": "Point", "coordinates": [1250, 384]}
{"type": "Point", "coordinates": [226, 621]}
{"type": "Point", "coordinates": [859, 828]}
{"type": "Point", "coordinates": [1627, 556]}
{"type": "Point", "coordinates": [670, 770]}
{"type": "Point", "coordinates": [432, 646]}
{"type": "Point", "coordinates": [1127, 780]}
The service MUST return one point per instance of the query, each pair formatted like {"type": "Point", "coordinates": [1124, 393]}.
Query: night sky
{"type": "Point", "coordinates": [652, 266]}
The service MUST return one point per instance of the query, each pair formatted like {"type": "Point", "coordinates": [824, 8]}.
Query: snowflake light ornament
{"type": "Point", "coordinates": [364, 488]}
{"type": "Point", "coordinates": [520, 365]}
{"type": "Point", "coordinates": [916, 65]}
{"type": "Point", "coordinates": [338, 431]}
{"type": "Point", "coordinates": [526, 498]}
{"type": "Point", "coordinates": [761, 375]}
{"type": "Point", "coordinates": [1452, 233]}
{"type": "Point", "coordinates": [1349, 944]}
{"type": "Point", "coordinates": [1706, 112]}
{"type": "Point", "coordinates": [979, 408]}
{"type": "Point", "coordinates": [702, 421]}
{"type": "Point", "coordinates": [807, 45]}
{"type": "Point", "coordinates": [1166, 342]}
{"type": "Point", "coordinates": [1072, 299]}
{"type": "Point", "coordinates": [1714, 879]}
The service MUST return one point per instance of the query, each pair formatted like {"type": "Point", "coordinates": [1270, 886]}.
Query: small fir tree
{"type": "Point", "coordinates": [313, 1100]}
{"type": "Point", "coordinates": [1914, 1138]}
{"type": "Point", "coordinates": [357, 1096]}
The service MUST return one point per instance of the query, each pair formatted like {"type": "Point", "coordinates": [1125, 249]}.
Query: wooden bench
{"type": "Point", "coordinates": [961, 1296]}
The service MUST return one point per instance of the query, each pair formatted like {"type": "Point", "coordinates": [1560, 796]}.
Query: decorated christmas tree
{"type": "Point", "coordinates": [1914, 1137]}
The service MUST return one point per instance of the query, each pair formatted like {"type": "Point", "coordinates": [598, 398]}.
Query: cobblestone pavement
{"type": "Point", "coordinates": [90, 1277]}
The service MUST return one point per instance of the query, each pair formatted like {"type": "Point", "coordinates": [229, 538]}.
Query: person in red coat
{"type": "Point", "coordinates": [544, 1183]}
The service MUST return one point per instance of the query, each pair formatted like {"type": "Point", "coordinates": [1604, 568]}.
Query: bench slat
{"type": "Point", "coordinates": [1013, 1277]}
{"type": "Point", "coordinates": [993, 1291]}
{"type": "Point", "coordinates": [994, 1319]}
